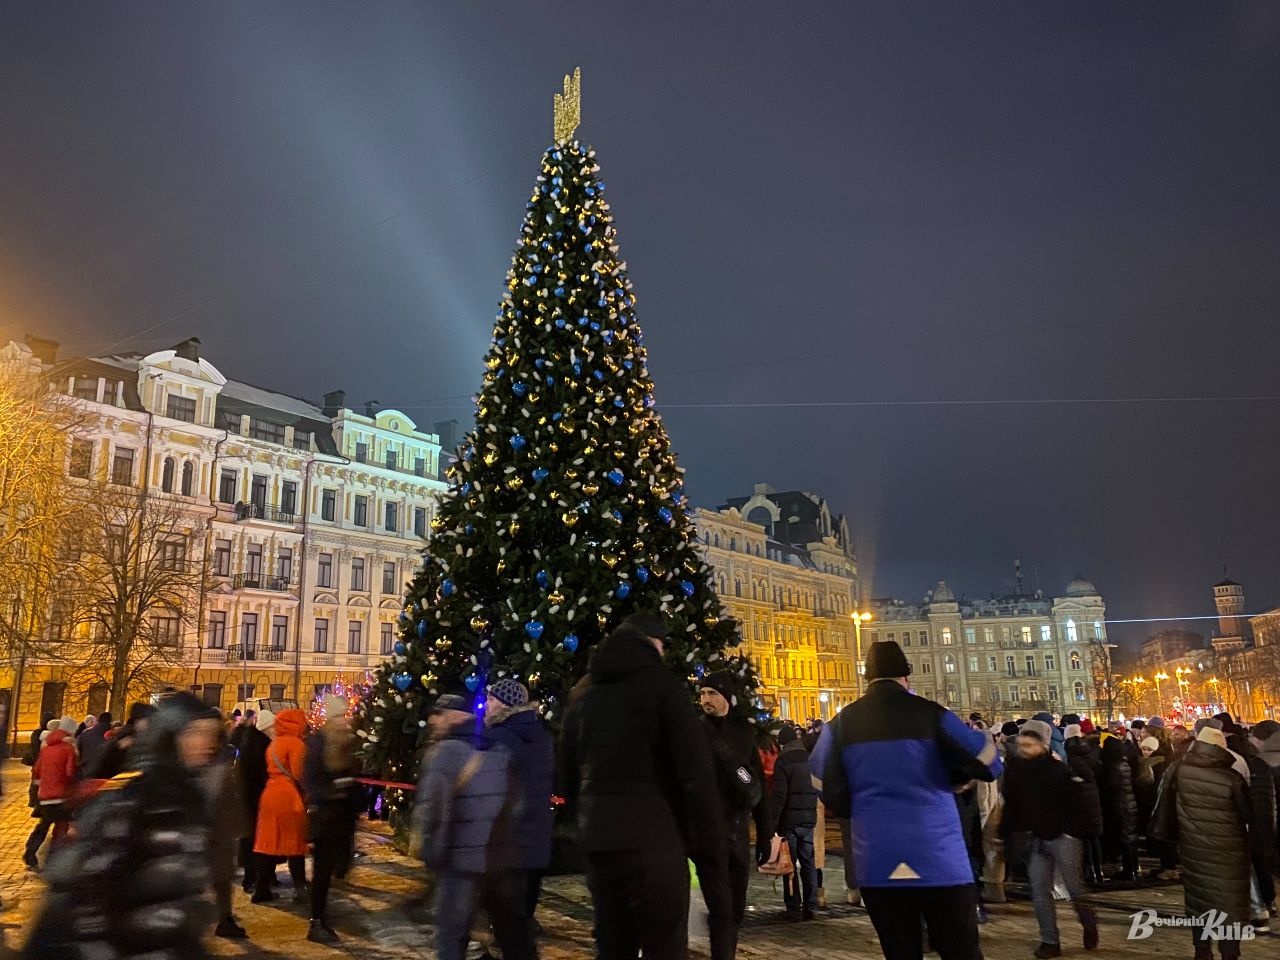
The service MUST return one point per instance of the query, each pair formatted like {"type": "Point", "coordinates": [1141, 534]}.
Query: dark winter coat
{"type": "Point", "coordinates": [1262, 806]}
{"type": "Point", "coordinates": [464, 802]}
{"type": "Point", "coordinates": [1084, 759]}
{"type": "Point", "coordinates": [533, 750]}
{"type": "Point", "coordinates": [889, 767]}
{"type": "Point", "coordinates": [1058, 746]}
{"type": "Point", "coordinates": [334, 799]}
{"type": "Point", "coordinates": [1150, 771]}
{"type": "Point", "coordinates": [635, 768]}
{"type": "Point", "coordinates": [1270, 755]}
{"type": "Point", "coordinates": [1037, 797]}
{"type": "Point", "coordinates": [1119, 804]}
{"type": "Point", "coordinates": [1203, 806]}
{"type": "Point", "coordinates": [733, 748]}
{"type": "Point", "coordinates": [794, 800]}
{"type": "Point", "coordinates": [91, 743]}
{"type": "Point", "coordinates": [251, 757]}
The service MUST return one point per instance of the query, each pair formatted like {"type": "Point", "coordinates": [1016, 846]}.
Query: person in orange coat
{"type": "Point", "coordinates": [282, 812]}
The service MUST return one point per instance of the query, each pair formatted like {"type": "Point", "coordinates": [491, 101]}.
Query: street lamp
{"type": "Point", "coordinates": [1184, 686]}
{"type": "Point", "coordinates": [1214, 681]}
{"type": "Point", "coordinates": [858, 618]}
{"type": "Point", "coordinates": [1159, 697]}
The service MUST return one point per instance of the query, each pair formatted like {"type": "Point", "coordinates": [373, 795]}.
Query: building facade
{"type": "Point", "coordinates": [792, 588]}
{"type": "Point", "coordinates": [1004, 657]}
{"type": "Point", "coordinates": [307, 521]}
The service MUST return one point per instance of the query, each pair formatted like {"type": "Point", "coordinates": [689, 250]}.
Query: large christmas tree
{"type": "Point", "coordinates": [565, 511]}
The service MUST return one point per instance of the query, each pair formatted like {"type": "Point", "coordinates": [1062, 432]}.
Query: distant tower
{"type": "Point", "coordinates": [1228, 597]}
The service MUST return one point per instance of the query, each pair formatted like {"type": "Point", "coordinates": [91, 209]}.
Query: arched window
{"type": "Point", "coordinates": [733, 543]}
{"type": "Point", "coordinates": [717, 540]}
{"type": "Point", "coordinates": [737, 587]}
{"type": "Point", "coordinates": [949, 663]}
{"type": "Point", "coordinates": [946, 636]}
{"type": "Point", "coordinates": [1075, 659]}
{"type": "Point", "coordinates": [723, 588]}
{"type": "Point", "coordinates": [1072, 634]}
{"type": "Point", "coordinates": [166, 475]}
{"type": "Point", "coordinates": [1077, 690]}
{"type": "Point", "coordinates": [188, 478]}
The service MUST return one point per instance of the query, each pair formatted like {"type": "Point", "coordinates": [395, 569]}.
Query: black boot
{"type": "Point", "coordinates": [319, 931]}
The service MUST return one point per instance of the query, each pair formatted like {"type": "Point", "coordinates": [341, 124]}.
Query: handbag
{"type": "Point", "coordinates": [779, 863]}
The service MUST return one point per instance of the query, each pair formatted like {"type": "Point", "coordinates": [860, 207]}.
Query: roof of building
{"type": "Point", "coordinates": [942, 593]}
{"type": "Point", "coordinates": [1080, 587]}
{"type": "Point", "coordinates": [1227, 583]}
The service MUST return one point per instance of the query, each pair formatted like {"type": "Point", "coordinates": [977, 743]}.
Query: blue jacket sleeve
{"type": "Point", "coordinates": [974, 743]}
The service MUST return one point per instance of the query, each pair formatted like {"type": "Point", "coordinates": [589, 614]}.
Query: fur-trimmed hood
{"type": "Point", "coordinates": [503, 714]}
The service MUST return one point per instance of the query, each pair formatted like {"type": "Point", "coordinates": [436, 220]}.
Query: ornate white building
{"type": "Point", "coordinates": [308, 520]}
{"type": "Point", "coordinates": [1005, 657]}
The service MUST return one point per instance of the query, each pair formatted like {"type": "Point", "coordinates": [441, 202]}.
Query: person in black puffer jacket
{"type": "Point", "coordinates": [794, 807]}
{"type": "Point", "coordinates": [1085, 762]}
{"type": "Point", "coordinates": [1203, 805]}
{"type": "Point", "coordinates": [635, 770]}
{"type": "Point", "coordinates": [1262, 826]}
{"type": "Point", "coordinates": [1119, 808]}
{"type": "Point", "coordinates": [133, 880]}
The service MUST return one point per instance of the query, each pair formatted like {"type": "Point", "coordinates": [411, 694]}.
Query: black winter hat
{"type": "Point", "coordinates": [1009, 728]}
{"type": "Point", "coordinates": [886, 660]}
{"type": "Point", "coordinates": [787, 734]}
{"type": "Point", "coordinates": [650, 624]}
{"type": "Point", "coordinates": [1068, 719]}
{"type": "Point", "coordinates": [721, 682]}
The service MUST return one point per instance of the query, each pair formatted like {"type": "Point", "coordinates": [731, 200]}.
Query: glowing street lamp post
{"type": "Point", "coordinates": [858, 618]}
{"type": "Point", "coordinates": [1159, 696]}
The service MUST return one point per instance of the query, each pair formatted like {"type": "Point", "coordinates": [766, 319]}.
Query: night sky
{"type": "Point", "coordinates": [890, 206]}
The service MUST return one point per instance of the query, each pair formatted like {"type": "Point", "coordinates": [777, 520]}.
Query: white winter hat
{"type": "Point", "coordinates": [334, 707]}
{"type": "Point", "coordinates": [68, 724]}
{"type": "Point", "coordinates": [1210, 733]}
{"type": "Point", "coordinates": [1071, 730]}
{"type": "Point", "coordinates": [266, 720]}
{"type": "Point", "coordinates": [1149, 746]}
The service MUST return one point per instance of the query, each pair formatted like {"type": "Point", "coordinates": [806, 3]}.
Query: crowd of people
{"type": "Point", "coordinates": [936, 815]}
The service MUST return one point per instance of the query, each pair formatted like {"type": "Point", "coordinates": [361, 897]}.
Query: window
{"type": "Point", "coordinates": [362, 452]}
{"type": "Point", "coordinates": [1045, 634]}
{"type": "Point", "coordinates": [248, 630]}
{"type": "Point", "coordinates": [277, 691]}
{"type": "Point", "coordinates": [946, 636]}
{"type": "Point", "coordinates": [970, 635]}
{"type": "Point", "coordinates": [328, 504]}
{"type": "Point", "coordinates": [324, 570]}
{"type": "Point", "coordinates": [887, 636]}
{"type": "Point", "coordinates": [392, 460]}
{"type": "Point", "coordinates": [357, 573]}
{"type": "Point", "coordinates": [171, 554]}
{"type": "Point", "coordinates": [991, 664]}
{"type": "Point", "coordinates": [1077, 691]}
{"type": "Point", "coordinates": [389, 578]}
{"type": "Point", "coordinates": [924, 638]}
{"type": "Point", "coordinates": [355, 629]}
{"type": "Point", "coordinates": [952, 697]}
{"type": "Point", "coordinates": [1053, 693]}
{"type": "Point", "coordinates": [926, 667]}
{"type": "Point", "coordinates": [361, 512]}
{"type": "Point", "coordinates": [975, 694]}
{"type": "Point", "coordinates": [1026, 633]}
{"type": "Point", "coordinates": [322, 635]}
{"type": "Point", "coordinates": [229, 421]}
{"type": "Point", "coordinates": [122, 466]}
{"type": "Point", "coordinates": [222, 558]}
{"type": "Point", "coordinates": [258, 490]}
{"type": "Point", "coordinates": [86, 388]}
{"type": "Point", "coordinates": [419, 467]}
{"type": "Point", "coordinates": [387, 640]}
{"type": "Point", "coordinates": [1075, 659]}
{"type": "Point", "coordinates": [393, 517]}
{"type": "Point", "coordinates": [1013, 695]}
{"type": "Point", "coordinates": [973, 664]}
{"type": "Point", "coordinates": [1005, 633]}
{"type": "Point", "coordinates": [420, 521]}
{"type": "Point", "coordinates": [279, 633]}
{"type": "Point", "coordinates": [301, 439]}
{"type": "Point", "coordinates": [289, 496]}
{"type": "Point", "coordinates": [1072, 635]}
{"type": "Point", "coordinates": [1033, 693]}
{"type": "Point", "coordinates": [265, 430]}
{"type": "Point", "coordinates": [188, 489]}
{"type": "Point", "coordinates": [284, 563]}
{"type": "Point", "coordinates": [167, 628]}
{"type": "Point", "coordinates": [181, 408]}
{"type": "Point", "coordinates": [216, 635]}
{"type": "Point", "coordinates": [1009, 667]}
{"type": "Point", "coordinates": [81, 464]}
{"type": "Point", "coordinates": [244, 691]}
{"type": "Point", "coordinates": [253, 562]}
{"type": "Point", "coordinates": [227, 486]}
{"type": "Point", "coordinates": [949, 663]}
{"type": "Point", "coordinates": [321, 690]}
{"type": "Point", "coordinates": [906, 638]}
{"type": "Point", "coordinates": [1031, 665]}
{"type": "Point", "coordinates": [988, 635]}
{"type": "Point", "coordinates": [737, 587]}
{"type": "Point", "coordinates": [1097, 629]}
{"type": "Point", "coordinates": [1049, 662]}
{"type": "Point", "coordinates": [211, 695]}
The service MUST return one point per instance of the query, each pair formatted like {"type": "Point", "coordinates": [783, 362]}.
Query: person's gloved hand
{"type": "Point", "coordinates": [764, 850]}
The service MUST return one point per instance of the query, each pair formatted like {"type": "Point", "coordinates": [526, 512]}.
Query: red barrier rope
{"type": "Point", "coordinates": [370, 782]}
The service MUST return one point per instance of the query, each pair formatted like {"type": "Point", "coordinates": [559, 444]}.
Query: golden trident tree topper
{"type": "Point", "coordinates": [568, 107]}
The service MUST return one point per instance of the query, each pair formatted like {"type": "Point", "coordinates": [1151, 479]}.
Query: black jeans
{"type": "Point", "coordinates": [713, 879]}
{"type": "Point", "coordinates": [533, 890]}
{"type": "Point", "coordinates": [267, 872]}
{"type": "Point", "coordinates": [1092, 849]}
{"type": "Point", "coordinates": [330, 854]}
{"type": "Point", "coordinates": [641, 901]}
{"type": "Point", "coordinates": [951, 914]}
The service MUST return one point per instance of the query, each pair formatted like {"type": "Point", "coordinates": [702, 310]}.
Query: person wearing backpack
{"type": "Point", "coordinates": [462, 828]}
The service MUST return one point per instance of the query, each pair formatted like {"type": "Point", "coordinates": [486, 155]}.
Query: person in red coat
{"type": "Point", "coordinates": [282, 813]}
{"type": "Point", "coordinates": [56, 769]}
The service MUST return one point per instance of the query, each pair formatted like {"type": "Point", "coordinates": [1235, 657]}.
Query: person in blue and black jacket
{"type": "Point", "coordinates": [892, 769]}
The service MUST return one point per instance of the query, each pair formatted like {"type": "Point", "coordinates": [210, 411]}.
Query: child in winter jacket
{"type": "Point", "coordinates": [56, 770]}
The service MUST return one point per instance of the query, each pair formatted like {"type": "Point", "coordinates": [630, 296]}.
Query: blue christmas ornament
{"type": "Point", "coordinates": [700, 670]}
{"type": "Point", "coordinates": [623, 591]}
{"type": "Point", "coordinates": [519, 389]}
{"type": "Point", "coordinates": [534, 629]}
{"type": "Point", "coordinates": [649, 401]}
{"type": "Point", "coordinates": [402, 681]}
{"type": "Point", "coordinates": [571, 642]}
{"type": "Point", "coordinates": [422, 630]}
{"type": "Point", "coordinates": [540, 474]}
{"type": "Point", "coordinates": [664, 515]}
{"type": "Point", "coordinates": [642, 574]}
{"type": "Point", "coordinates": [469, 529]}
{"type": "Point", "coordinates": [517, 442]}
{"type": "Point", "coordinates": [400, 648]}
{"type": "Point", "coordinates": [617, 515]}
{"type": "Point", "coordinates": [559, 291]}
{"type": "Point", "coordinates": [619, 402]}
{"type": "Point", "coordinates": [446, 588]}
{"type": "Point", "coordinates": [628, 364]}
{"type": "Point", "coordinates": [686, 587]}
{"type": "Point", "coordinates": [577, 369]}
{"type": "Point", "coordinates": [598, 374]}
{"type": "Point", "coordinates": [472, 682]}
{"type": "Point", "coordinates": [539, 362]}
{"type": "Point", "coordinates": [404, 617]}
{"type": "Point", "coordinates": [615, 477]}
{"type": "Point", "coordinates": [560, 322]}
{"type": "Point", "coordinates": [543, 578]}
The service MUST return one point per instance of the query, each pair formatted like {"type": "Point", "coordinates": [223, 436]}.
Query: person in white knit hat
{"type": "Point", "coordinates": [334, 800]}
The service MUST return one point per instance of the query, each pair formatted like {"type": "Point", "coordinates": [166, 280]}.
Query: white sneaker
{"type": "Point", "coordinates": [853, 898]}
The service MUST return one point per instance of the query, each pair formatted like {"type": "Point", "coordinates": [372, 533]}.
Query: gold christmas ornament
{"type": "Point", "coordinates": [502, 565]}
{"type": "Point", "coordinates": [490, 458]}
{"type": "Point", "coordinates": [601, 620]}
{"type": "Point", "coordinates": [555, 598]}
{"type": "Point", "coordinates": [515, 482]}
{"type": "Point", "coordinates": [436, 524]}
{"type": "Point", "coordinates": [493, 363]}
{"type": "Point", "coordinates": [514, 527]}
{"type": "Point", "coordinates": [610, 560]}
{"type": "Point", "coordinates": [569, 518]}
{"type": "Point", "coordinates": [478, 624]}
{"type": "Point", "coordinates": [591, 488]}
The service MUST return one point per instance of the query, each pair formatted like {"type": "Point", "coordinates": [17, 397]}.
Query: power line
{"type": "Point", "coordinates": [994, 401]}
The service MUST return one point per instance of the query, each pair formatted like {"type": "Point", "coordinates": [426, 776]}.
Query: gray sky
{"type": "Point", "coordinates": [819, 202]}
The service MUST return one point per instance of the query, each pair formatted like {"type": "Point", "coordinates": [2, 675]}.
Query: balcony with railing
{"type": "Point", "coordinates": [264, 511]}
{"type": "Point", "coordinates": [237, 653]}
{"type": "Point", "coordinates": [260, 581]}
